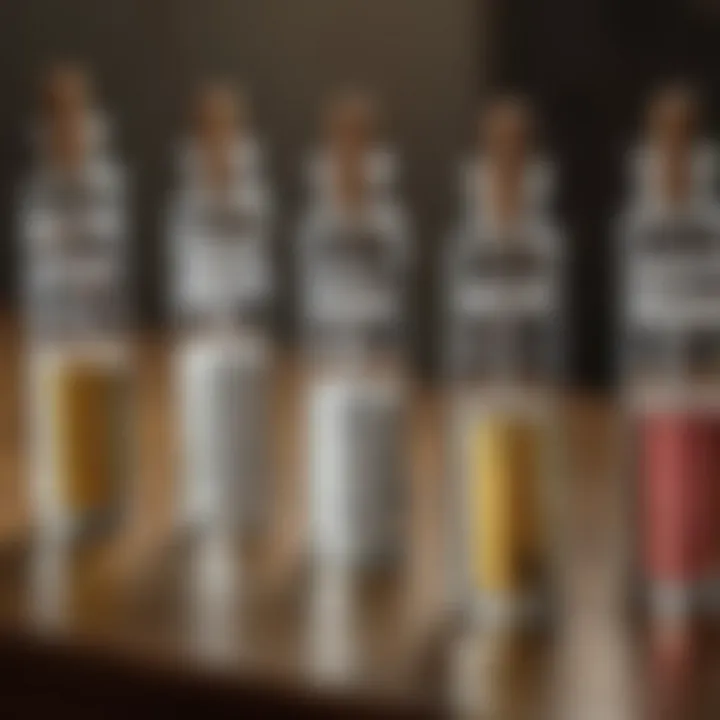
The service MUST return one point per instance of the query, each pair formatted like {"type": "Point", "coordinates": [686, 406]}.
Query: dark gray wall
{"type": "Point", "coordinates": [420, 55]}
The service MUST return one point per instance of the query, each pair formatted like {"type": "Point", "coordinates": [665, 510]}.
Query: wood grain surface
{"type": "Point", "coordinates": [155, 618]}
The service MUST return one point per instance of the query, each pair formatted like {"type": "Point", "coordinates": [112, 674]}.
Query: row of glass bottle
{"type": "Point", "coordinates": [502, 289]}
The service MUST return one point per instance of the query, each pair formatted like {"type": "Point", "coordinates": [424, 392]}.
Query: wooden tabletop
{"type": "Point", "coordinates": [155, 619]}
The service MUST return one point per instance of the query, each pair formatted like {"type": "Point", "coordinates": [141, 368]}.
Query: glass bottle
{"type": "Point", "coordinates": [75, 285]}
{"type": "Point", "coordinates": [353, 265]}
{"type": "Point", "coordinates": [501, 350]}
{"type": "Point", "coordinates": [670, 252]}
{"type": "Point", "coordinates": [220, 260]}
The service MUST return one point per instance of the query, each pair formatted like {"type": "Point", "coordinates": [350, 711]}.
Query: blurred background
{"type": "Point", "coordinates": [420, 57]}
{"type": "Point", "coordinates": [588, 65]}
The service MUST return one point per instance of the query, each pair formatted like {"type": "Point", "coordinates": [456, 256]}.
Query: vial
{"type": "Point", "coordinates": [353, 259]}
{"type": "Point", "coordinates": [220, 280]}
{"type": "Point", "coordinates": [501, 364]}
{"type": "Point", "coordinates": [670, 248]}
{"type": "Point", "coordinates": [76, 321]}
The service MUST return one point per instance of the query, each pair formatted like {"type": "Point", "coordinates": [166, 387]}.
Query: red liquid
{"type": "Point", "coordinates": [680, 496]}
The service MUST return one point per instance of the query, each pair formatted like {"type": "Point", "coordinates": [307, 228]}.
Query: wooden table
{"type": "Point", "coordinates": [147, 621]}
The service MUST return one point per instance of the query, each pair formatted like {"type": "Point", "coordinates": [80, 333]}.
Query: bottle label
{"type": "Point", "coordinates": [353, 290]}
{"type": "Point", "coordinates": [673, 294]}
{"type": "Point", "coordinates": [675, 274]}
{"type": "Point", "coordinates": [224, 264]}
{"type": "Point", "coordinates": [76, 260]}
{"type": "Point", "coordinates": [503, 310]}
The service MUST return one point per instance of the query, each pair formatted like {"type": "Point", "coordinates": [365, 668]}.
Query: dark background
{"type": "Point", "coordinates": [587, 63]}
{"type": "Point", "coordinates": [148, 57]}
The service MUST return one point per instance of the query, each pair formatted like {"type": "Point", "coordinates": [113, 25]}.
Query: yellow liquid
{"type": "Point", "coordinates": [86, 403]}
{"type": "Point", "coordinates": [505, 475]}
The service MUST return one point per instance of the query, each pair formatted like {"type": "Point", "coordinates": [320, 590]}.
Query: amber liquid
{"type": "Point", "coordinates": [505, 502]}
{"type": "Point", "coordinates": [86, 402]}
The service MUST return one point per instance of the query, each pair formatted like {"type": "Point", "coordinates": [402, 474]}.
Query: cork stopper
{"type": "Point", "coordinates": [672, 122]}
{"type": "Point", "coordinates": [506, 130]}
{"type": "Point", "coordinates": [67, 99]}
{"type": "Point", "coordinates": [220, 119]}
{"type": "Point", "coordinates": [350, 128]}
